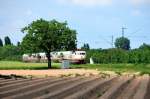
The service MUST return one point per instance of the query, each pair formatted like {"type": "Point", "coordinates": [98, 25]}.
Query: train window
{"type": "Point", "coordinates": [82, 53]}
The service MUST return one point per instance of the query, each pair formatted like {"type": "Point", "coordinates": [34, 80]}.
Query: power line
{"type": "Point", "coordinates": [112, 41]}
{"type": "Point", "coordinates": [134, 32]}
{"type": "Point", "coordinates": [138, 29]}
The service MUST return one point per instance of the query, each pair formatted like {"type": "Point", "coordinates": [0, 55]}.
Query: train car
{"type": "Point", "coordinates": [73, 56]}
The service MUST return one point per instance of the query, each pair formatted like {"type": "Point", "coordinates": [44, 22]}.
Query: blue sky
{"type": "Point", "coordinates": [95, 20]}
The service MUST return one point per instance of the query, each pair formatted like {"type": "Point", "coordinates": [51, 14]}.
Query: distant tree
{"type": "Point", "coordinates": [144, 46]}
{"type": "Point", "coordinates": [47, 36]}
{"type": "Point", "coordinates": [7, 40]}
{"type": "Point", "coordinates": [10, 52]}
{"type": "Point", "coordinates": [1, 42]}
{"type": "Point", "coordinates": [18, 43]}
{"type": "Point", "coordinates": [123, 43]}
{"type": "Point", "coordinates": [85, 46]}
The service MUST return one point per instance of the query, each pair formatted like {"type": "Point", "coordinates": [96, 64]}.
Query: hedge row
{"type": "Point", "coordinates": [10, 52]}
{"type": "Point", "coordinates": [140, 55]}
{"type": "Point", "coordinates": [119, 56]}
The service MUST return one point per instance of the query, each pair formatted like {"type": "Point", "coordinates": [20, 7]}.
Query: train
{"type": "Point", "coordinates": [57, 56]}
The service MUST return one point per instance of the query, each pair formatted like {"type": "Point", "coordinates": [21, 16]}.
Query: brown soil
{"type": "Point", "coordinates": [79, 87]}
{"type": "Point", "coordinates": [51, 72]}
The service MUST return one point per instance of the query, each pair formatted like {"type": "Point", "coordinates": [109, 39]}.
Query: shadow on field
{"type": "Point", "coordinates": [44, 68]}
{"type": "Point", "coordinates": [77, 67]}
{"type": "Point", "coordinates": [11, 76]}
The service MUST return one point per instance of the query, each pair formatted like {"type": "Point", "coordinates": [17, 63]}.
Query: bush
{"type": "Point", "coordinates": [119, 56]}
{"type": "Point", "coordinates": [10, 52]}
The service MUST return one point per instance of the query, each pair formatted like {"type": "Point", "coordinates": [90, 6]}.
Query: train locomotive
{"type": "Point", "coordinates": [57, 56]}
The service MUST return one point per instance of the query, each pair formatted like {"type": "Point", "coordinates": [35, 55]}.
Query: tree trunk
{"type": "Point", "coordinates": [49, 60]}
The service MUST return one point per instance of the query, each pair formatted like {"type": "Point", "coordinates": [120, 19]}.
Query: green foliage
{"type": "Point", "coordinates": [85, 46]}
{"type": "Point", "coordinates": [144, 46]}
{"type": "Point", "coordinates": [7, 40]}
{"type": "Point", "coordinates": [47, 36]}
{"type": "Point", "coordinates": [119, 56]}
{"type": "Point", "coordinates": [1, 42]}
{"type": "Point", "coordinates": [123, 43]}
{"type": "Point", "coordinates": [4, 65]}
{"type": "Point", "coordinates": [18, 44]}
{"type": "Point", "coordinates": [118, 68]}
{"type": "Point", "coordinates": [10, 52]}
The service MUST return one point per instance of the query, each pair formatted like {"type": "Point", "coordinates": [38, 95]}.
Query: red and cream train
{"type": "Point", "coordinates": [72, 56]}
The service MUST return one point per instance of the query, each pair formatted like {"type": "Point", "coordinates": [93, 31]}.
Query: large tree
{"type": "Point", "coordinates": [7, 40]}
{"type": "Point", "coordinates": [123, 43]}
{"type": "Point", "coordinates": [1, 42]}
{"type": "Point", "coordinates": [48, 36]}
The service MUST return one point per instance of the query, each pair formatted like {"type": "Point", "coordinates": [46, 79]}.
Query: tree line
{"type": "Point", "coordinates": [119, 55]}
{"type": "Point", "coordinates": [122, 53]}
{"type": "Point", "coordinates": [6, 40]}
{"type": "Point", "coordinates": [9, 51]}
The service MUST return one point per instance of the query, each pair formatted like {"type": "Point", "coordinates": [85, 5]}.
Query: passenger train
{"type": "Point", "coordinates": [72, 56]}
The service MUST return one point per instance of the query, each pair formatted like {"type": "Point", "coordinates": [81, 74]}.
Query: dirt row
{"type": "Point", "coordinates": [51, 72]}
{"type": "Point", "coordinates": [80, 87]}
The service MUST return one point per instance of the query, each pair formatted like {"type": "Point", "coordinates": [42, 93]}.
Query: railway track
{"type": "Point", "coordinates": [81, 87]}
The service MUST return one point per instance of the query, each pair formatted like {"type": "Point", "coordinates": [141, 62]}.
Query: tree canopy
{"type": "Point", "coordinates": [47, 36]}
{"type": "Point", "coordinates": [7, 40]}
{"type": "Point", "coordinates": [123, 43]}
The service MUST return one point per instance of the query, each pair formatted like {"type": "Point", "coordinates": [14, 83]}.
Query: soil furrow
{"type": "Point", "coordinates": [6, 80]}
{"type": "Point", "coordinates": [32, 86]}
{"type": "Point", "coordinates": [130, 89]}
{"type": "Point", "coordinates": [45, 89]}
{"type": "Point", "coordinates": [91, 91]}
{"type": "Point", "coordinates": [147, 96]}
{"type": "Point", "coordinates": [141, 92]}
{"type": "Point", "coordinates": [20, 84]}
{"type": "Point", "coordinates": [14, 81]}
{"type": "Point", "coordinates": [72, 88]}
{"type": "Point", "coordinates": [116, 89]}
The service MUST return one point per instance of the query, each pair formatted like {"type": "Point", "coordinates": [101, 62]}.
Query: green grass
{"type": "Point", "coordinates": [9, 65]}
{"type": "Point", "coordinates": [118, 68]}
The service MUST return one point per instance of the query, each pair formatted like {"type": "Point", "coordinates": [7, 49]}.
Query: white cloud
{"type": "Point", "coordinates": [87, 2]}
{"type": "Point", "coordinates": [139, 2]}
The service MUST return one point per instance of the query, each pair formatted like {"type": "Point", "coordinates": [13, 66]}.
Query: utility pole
{"type": "Point", "coordinates": [112, 41]}
{"type": "Point", "coordinates": [123, 28]}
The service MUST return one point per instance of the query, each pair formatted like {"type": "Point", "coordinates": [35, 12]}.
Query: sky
{"type": "Point", "coordinates": [95, 21]}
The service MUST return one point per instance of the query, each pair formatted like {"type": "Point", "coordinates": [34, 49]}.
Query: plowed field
{"type": "Point", "coordinates": [79, 87]}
